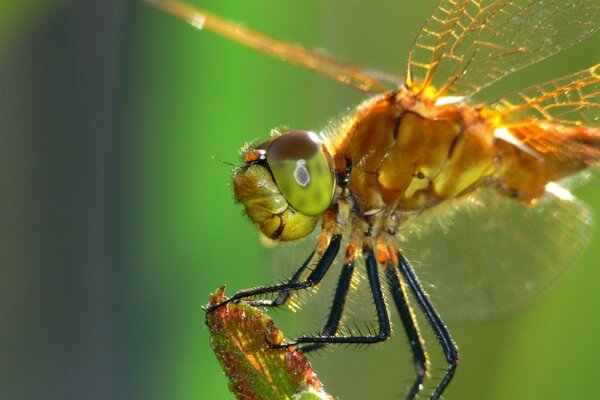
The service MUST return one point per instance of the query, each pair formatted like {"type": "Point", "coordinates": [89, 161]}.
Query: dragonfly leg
{"type": "Point", "coordinates": [441, 331]}
{"type": "Point", "coordinates": [313, 279]}
{"type": "Point", "coordinates": [337, 307]}
{"type": "Point", "coordinates": [380, 306]}
{"type": "Point", "coordinates": [420, 360]}
{"type": "Point", "coordinates": [284, 294]}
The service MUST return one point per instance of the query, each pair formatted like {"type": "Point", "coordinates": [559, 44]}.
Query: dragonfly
{"type": "Point", "coordinates": [420, 156]}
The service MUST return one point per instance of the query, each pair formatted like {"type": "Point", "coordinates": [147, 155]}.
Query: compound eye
{"type": "Point", "coordinates": [302, 171]}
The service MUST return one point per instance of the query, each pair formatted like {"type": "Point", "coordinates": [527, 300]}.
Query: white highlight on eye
{"type": "Point", "coordinates": [301, 173]}
{"type": "Point", "coordinates": [559, 191]}
{"type": "Point", "coordinates": [442, 101]}
{"type": "Point", "coordinates": [314, 137]}
{"type": "Point", "coordinates": [506, 135]}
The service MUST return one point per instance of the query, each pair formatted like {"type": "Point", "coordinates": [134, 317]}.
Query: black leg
{"type": "Point", "coordinates": [411, 328]}
{"type": "Point", "coordinates": [284, 295]}
{"type": "Point", "coordinates": [380, 307]}
{"type": "Point", "coordinates": [337, 307]}
{"type": "Point", "coordinates": [438, 327]}
{"type": "Point", "coordinates": [314, 278]}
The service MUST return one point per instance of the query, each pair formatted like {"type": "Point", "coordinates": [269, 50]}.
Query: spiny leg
{"type": "Point", "coordinates": [284, 295]}
{"type": "Point", "coordinates": [314, 278]}
{"type": "Point", "coordinates": [337, 307]}
{"type": "Point", "coordinates": [380, 307]}
{"type": "Point", "coordinates": [398, 292]}
{"type": "Point", "coordinates": [434, 320]}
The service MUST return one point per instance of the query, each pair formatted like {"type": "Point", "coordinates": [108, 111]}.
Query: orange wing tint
{"type": "Point", "coordinates": [564, 149]}
{"type": "Point", "coordinates": [294, 54]}
{"type": "Point", "coordinates": [570, 100]}
{"type": "Point", "coordinates": [559, 119]}
{"type": "Point", "coordinates": [467, 45]}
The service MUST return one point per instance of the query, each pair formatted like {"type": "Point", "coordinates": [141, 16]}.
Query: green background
{"type": "Point", "coordinates": [120, 219]}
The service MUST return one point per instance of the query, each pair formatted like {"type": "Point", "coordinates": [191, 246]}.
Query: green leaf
{"type": "Point", "coordinates": [239, 337]}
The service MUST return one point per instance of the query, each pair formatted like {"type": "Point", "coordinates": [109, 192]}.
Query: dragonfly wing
{"type": "Point", "coordinates": [573, 100]}
{"type": "Point", "coordinates": [559, 119]}
{"type": "Point", "coordinates": [366, 81]}
{"type": "Point", "coordinates": [485, 255]}
{"type": "Point", "coordinates": [467, 45]}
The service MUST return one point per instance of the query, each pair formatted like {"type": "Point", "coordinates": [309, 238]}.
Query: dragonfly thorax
{"type": "Point", "coordinates": [400, 160]}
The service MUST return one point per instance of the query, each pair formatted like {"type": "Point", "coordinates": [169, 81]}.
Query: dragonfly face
{"type": "Point", "coordinates": [286, 184]}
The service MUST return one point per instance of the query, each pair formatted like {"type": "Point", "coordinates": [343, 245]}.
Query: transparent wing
{"type": "Point", "coordinates": [571, 100]}
{"type": "Point", "coordinates": [467, 45]}
{"type": "Point", "coordinates": [486, 254]}
{"type": "Point", "coordinates": [559, 119]}
{"type": "Point", "coordinates": [323, 64]}
{"type": "Point", "coordinates": [567, 148]}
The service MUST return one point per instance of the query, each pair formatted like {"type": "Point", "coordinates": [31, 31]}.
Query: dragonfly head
{"type": "Point", "coordinates": [286, 184]}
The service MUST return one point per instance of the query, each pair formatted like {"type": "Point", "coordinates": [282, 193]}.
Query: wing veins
{"type": "Point", "coordinates": [489, 41]}
{"type": "Point", "coordinates": [291, 53]}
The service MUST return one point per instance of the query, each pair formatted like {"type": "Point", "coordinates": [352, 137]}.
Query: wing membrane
{"type": "Point", "coordinates": [572, 100]}
{"type": "Point", "coordinates": [467, 45]}
{"type": "Point", "coordinates": [491, 254]}
{"type": "Point", "coordinates": [568, 148]}
{"type": "Point", "coordinates": [291, 53]}
{"type": "Point", "coordinates": [559, 119]}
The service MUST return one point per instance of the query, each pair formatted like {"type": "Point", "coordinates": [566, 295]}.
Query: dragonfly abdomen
{"type": "Point", "coordinates": [525, 168]}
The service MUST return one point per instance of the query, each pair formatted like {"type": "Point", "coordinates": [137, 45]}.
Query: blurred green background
{"type": "Point", "coordinates": [117, 222]}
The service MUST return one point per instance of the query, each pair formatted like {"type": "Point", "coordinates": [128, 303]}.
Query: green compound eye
{"type": "Point", "coordinates": [302, 172]}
